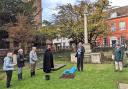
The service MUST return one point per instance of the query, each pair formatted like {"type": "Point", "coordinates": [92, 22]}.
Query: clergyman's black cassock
{"type": "Point", "coordinates": [48, 61]}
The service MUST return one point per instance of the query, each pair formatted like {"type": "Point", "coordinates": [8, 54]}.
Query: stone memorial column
{"type": "Point", "coordinates": [89, 57]}
{"type": "Point", "coordinates": [86, 44]}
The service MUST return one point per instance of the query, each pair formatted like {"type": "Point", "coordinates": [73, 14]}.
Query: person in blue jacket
{"type": "Point", "coordinates": [118, 58]}
{"type": "Point", "coordinates": [8, 67]}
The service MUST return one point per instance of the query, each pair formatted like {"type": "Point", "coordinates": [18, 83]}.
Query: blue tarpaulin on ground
{"type": "Point", "coordinates": [70, 71]}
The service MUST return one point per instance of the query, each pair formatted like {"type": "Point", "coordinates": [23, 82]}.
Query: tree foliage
{"type": "Point", "coordinates": [70, 19]}
{"type": "Point", "coordinates": [22, 32]}
{"type": "Point", "coordinates": [9, 9]}
{"type": "Point", "coordinates": [49, 30]}
{"type": "Point", "coordinates": [18, 18]}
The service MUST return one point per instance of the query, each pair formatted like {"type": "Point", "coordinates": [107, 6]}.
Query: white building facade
{"type": "Point", "coordinates": [62, 43]}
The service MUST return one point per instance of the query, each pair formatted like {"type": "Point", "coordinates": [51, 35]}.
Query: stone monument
{"type": "Point", "coordinates": [96, 58]}
{"type": "Point", "coordinates": [87, 47]}
{"type": "Point", "coordinates": [73, 58]}
{"type": "Point", "coordinates": [89, 57]}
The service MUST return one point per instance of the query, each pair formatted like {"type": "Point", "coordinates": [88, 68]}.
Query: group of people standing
{"type": "Point", "coordinates": [17, 58]}
{"type": "Point", "coordinates": [117, 56]}
{"type": "Point", "coordinates": [13, 59]}
{"type": "Point", "coordinates": [10, 61]}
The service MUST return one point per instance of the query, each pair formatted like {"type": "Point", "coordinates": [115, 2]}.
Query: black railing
{"type": "Point", "coordinates": [102, 49]}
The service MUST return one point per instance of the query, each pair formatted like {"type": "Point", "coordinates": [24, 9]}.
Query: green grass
{"type": "Point", "coordinates": [95, 76]}
{"type": "Point", "coordinates": [62, 56]}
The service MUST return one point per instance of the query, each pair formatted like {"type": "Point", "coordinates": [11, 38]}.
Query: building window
{"type": "Point", "coordinates": [105, 42]}
{"type": "Point", "coordinates": [113, 27]}
{"type": "Point", "coordinates": [122, 26]}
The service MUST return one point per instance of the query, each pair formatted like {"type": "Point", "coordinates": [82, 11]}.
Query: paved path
{"type": "Point", "coordinates": [56, 66]}
{"type": "Point", "coordinates": [123, 86]}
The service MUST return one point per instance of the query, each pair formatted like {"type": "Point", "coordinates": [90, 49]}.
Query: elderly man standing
{"type": "Point", "coordinates": [33, 59]}
{"type": "Point", "coordinates": [80, 56]}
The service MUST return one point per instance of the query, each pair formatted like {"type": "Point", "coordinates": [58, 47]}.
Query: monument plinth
{"type": "Point", "coordinates": [96, 58]}
{"type": "Point", "coordinates": [73, 58]}
{"type": "Point", "coordinates": [87, 55]}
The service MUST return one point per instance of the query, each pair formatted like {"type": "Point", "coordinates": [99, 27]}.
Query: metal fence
{"type": "Point", "coordinates": [102, 49]}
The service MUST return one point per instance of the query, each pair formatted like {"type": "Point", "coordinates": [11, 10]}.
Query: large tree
{"type": "Point", "coordinates": [19, 20]}
{"type": "Point", "coordinates": [9, 9]}
{"type": "Point", "coordinates": [70, 18]}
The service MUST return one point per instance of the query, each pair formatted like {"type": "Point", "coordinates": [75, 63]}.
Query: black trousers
{"type": "Point", "coordinates": [9, 77]}
{"type": "Point", "coordinates": [80, 63]}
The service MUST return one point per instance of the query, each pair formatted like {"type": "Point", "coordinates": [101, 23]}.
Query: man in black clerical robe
{"type": "Point", "coordinates": [48, 63]}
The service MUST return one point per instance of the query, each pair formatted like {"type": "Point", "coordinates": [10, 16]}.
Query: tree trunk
{"type": "Point", "coordinates": [11, 43]}
{"type": "Point", "coordinates": [24, 47]}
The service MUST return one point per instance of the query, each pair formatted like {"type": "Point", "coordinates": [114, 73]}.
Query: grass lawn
{"type": "Point", "coordinates": [95, 76]}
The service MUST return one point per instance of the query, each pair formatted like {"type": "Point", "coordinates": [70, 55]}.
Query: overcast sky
{"type": "Point", "coordinates": [50, 5]}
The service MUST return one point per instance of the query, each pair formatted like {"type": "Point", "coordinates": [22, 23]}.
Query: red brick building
{"type": "Point", "coordinates": [118, 22]}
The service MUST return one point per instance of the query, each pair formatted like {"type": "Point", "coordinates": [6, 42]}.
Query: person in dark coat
{"type": "Point", "coordinates": [48, 63]}
{"type": "Point", "coordinates": [20, 63]}
{"type": "Point", "coordinates": [80, 56]}
{"type": "Point", "coordinates": [118, 58]}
